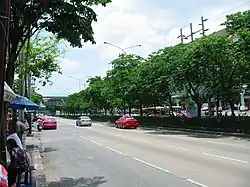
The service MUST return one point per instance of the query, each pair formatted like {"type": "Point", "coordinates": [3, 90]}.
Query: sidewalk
{"type": "Point", "coordinates": [33, 147]}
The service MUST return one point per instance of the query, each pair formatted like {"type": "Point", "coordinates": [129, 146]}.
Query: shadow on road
{"type": "Point", "coordinates": [189, 134]}
{"type": "Point", "coordinates": [31, 147]}
{"type": "Point", "coordinates": [49, 149]}
{"type": "Point", "coordinates": [80, 182]}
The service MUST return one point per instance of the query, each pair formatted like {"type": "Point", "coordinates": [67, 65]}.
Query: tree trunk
{"type": "Point", "coordinates": [199, 105]}
{"type": "Point", "coordinates": [155, 110]}
{"type": "Point", "coordinates": [140, 108]}
{"type": "Point", "coordinates": [129, 109]}
{"type": "Point", "coordinates": [232, 108]}
{"type": "Point", "coordinates": [170, 104]}
{"type": "Point", "coordinates": [10, 71]}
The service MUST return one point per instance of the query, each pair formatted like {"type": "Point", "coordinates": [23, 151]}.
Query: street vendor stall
{"type": "Point", "coordinates": [9, 94]}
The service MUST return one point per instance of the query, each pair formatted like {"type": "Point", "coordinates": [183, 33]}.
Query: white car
{"type": "Point", "coordinates": [83, 121]}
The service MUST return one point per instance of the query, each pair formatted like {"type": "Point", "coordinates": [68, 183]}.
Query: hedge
{"type": "Point", "coordinates": [223, 123]}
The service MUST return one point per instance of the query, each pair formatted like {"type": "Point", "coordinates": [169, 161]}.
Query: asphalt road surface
{"type": "Point", "coordinates": [103, 156]}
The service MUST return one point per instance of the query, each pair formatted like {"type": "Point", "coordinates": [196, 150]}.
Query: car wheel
{"type": "Point", "coordinates": [116, 126]}
{"type": "Point", "coordinates": [123, 126]}
{"type": "Point", "coordinates": [76, 124]}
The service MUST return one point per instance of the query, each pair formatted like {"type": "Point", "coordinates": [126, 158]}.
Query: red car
{"type": "Point", "coordinates": [127, 122]}
{"type": "Point", "coordinates": [49, 123]}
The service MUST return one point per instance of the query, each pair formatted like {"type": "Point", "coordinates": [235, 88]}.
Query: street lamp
{"type": "Point", "coordinates": [122, 49]}
{"type": "Point", "coordinates": [79, 80]}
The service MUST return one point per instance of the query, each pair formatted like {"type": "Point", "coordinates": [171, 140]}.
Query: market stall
{"type": "Point", "coordinates": [9, 94]}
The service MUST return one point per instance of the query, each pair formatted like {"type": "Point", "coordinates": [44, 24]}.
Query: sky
{"type": "Point", "coordinates": [151, 24]}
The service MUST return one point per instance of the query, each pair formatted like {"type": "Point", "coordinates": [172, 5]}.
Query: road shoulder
{"type": "Point", "coordinates": [34, 149]}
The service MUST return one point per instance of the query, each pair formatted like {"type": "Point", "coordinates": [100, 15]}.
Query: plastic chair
{"type": "Point", "coordinates": [27, 182]}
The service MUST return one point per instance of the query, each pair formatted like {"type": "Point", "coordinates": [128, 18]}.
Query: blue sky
{"type": "Point", "coordinates": [152, 24]}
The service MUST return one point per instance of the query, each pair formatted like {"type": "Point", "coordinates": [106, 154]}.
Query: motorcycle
{"type": "Point", "coordinates": [39, 127]}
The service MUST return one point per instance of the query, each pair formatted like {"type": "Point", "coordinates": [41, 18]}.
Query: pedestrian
{"type": "Point", "coordinates": [3, 176]}
{"type": "Point", "coordinates": [13, 134]}
{"type": "Point", "coordinates": [22, 127]}
{"type": "Point", "coordinates": [19, 162]}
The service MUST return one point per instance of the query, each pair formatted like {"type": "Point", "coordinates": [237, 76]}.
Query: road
{"type": "Point", "coordinates": [108, 157]}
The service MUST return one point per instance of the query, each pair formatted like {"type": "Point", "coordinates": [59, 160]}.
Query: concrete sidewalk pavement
{"type": "Point", "coordinates": [34, 149]}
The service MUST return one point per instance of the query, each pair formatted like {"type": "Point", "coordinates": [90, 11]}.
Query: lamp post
{"type": "Point", "coordinates": [122, 49]}
{"type": "Point", "coordinates": [79, 80]}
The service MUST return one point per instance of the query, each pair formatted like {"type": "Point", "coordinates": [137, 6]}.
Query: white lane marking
{"type": "Point", "coordinates": [179, 148]}
{"type": "Point", "coordinates": [223, 143]}
{"type": "Point", "coordinates": [116, 151]}
{"type": "Point", "coordinates": [83, 137]}
{"type": "Point", "coordinates": [151, 165]}
{"type": "Point", "coordinates": [97, 143]}
{"type": "Point", "coordinates": [196, 183]}
{"type": "Point", "coordinates": [227, 158]}
{"type": "Point", "coordinates": [147, 141]}
{"type": "Point", "coordinates": [101, 125]}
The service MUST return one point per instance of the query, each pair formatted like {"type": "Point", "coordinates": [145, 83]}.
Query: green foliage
{"type": "Point", "coordinates": [66, 19]}
{"type": "Point", "coordinates": [36, 98]}
{"type": "Point", "coordinates": [210, 67]}
{"type": "Point", "coordinates": [42, 58]}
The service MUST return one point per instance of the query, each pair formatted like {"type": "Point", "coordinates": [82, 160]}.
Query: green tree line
{"type": "Point", "coordinates": [210, 67]}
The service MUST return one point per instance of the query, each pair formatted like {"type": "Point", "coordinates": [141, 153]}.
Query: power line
{"type": "Point", "coordinates": [182, 36]}
{"type": "Point", "coordinates": [222, 13]}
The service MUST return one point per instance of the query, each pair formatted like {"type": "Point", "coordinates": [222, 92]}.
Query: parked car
{"type": "Point", "coordinates": [41, 119]}
{"type": "Point", "coordinates": [127, 122]}
{"type": "Point", "coordinates": [84, 121]}
{"type": "Point", "coordinates": [49, 123]}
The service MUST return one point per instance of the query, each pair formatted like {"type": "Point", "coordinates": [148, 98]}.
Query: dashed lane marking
{"type": "Point", "coordinates": [151, 165]}
{"type": "Point", "coordinates": [224, 157]}
{"type": "Point", "coordinates": [114, 150]}
{"type": "Point", "coordinates": [196, 183]}
{"type": "Point", "coordinates": [83, 137]}
{"type": "Point", "coordinates": [97, 143]}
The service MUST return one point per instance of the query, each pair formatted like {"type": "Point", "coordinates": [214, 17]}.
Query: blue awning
{"type": "Point", "coordinates": [21, 103]}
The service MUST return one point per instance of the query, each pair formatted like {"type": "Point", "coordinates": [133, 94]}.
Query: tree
{"type": "Point", "coordinates": [69, 20]}
{"type": "Point", "coordinates": [36, 98]}
{"type": "Point", "coordinates": [123, 78]}
{"type": "Point", "coordinates": [210, 67]}
{"type": "Point", "coordinates": [42, 58]}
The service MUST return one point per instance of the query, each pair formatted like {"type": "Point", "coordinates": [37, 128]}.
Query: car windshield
{"type": "Point", "coordinates": [130, 118]}
{"type": "Point", "coordinates": [50, 119]}
{"type": "Point", "coordinates": [85, 117]}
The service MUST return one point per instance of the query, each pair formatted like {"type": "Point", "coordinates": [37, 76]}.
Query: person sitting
{"type": "Point", "coordinates": [13, 134]}
{"type": "Point", "coordinates": [19, 162]}
{"type": "Point", "coordinates": [3, 176]}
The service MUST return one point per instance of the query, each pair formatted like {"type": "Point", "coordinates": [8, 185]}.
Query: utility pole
{"type": "Point", "coordinates": [191, 32]}
{"type": "Point", "coordinates": [4, 38]}
{"type": "Point", "coordinates": [182, 36]}
{"type": "Point", "coordinates": [203, 30]}
{"type": "Point", "coordinates": [22, 82]}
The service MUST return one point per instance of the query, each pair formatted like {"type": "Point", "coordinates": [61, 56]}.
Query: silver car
{"type": "Point", "coordinates": [83, 121]}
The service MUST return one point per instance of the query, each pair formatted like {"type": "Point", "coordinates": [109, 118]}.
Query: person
{"type": "Point", "coordinates": [21, 128]}
{"type": "Point", "coordinates": [3, 176]}
{"type": "Point", "coordinates": [19, 162]}
{"type": "Point", "coordinates": [13, 134]}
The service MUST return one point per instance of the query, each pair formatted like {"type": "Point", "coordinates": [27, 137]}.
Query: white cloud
{"type": "Point", "coordinates": [69, 65]}
{"type": "Point", "coordinates": [153, 24]}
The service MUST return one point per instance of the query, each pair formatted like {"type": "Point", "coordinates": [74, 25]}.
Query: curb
{"type": "Point", "coordinates": [242, 135]}
{"type": "Point", "coordinates": [38, 174]}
